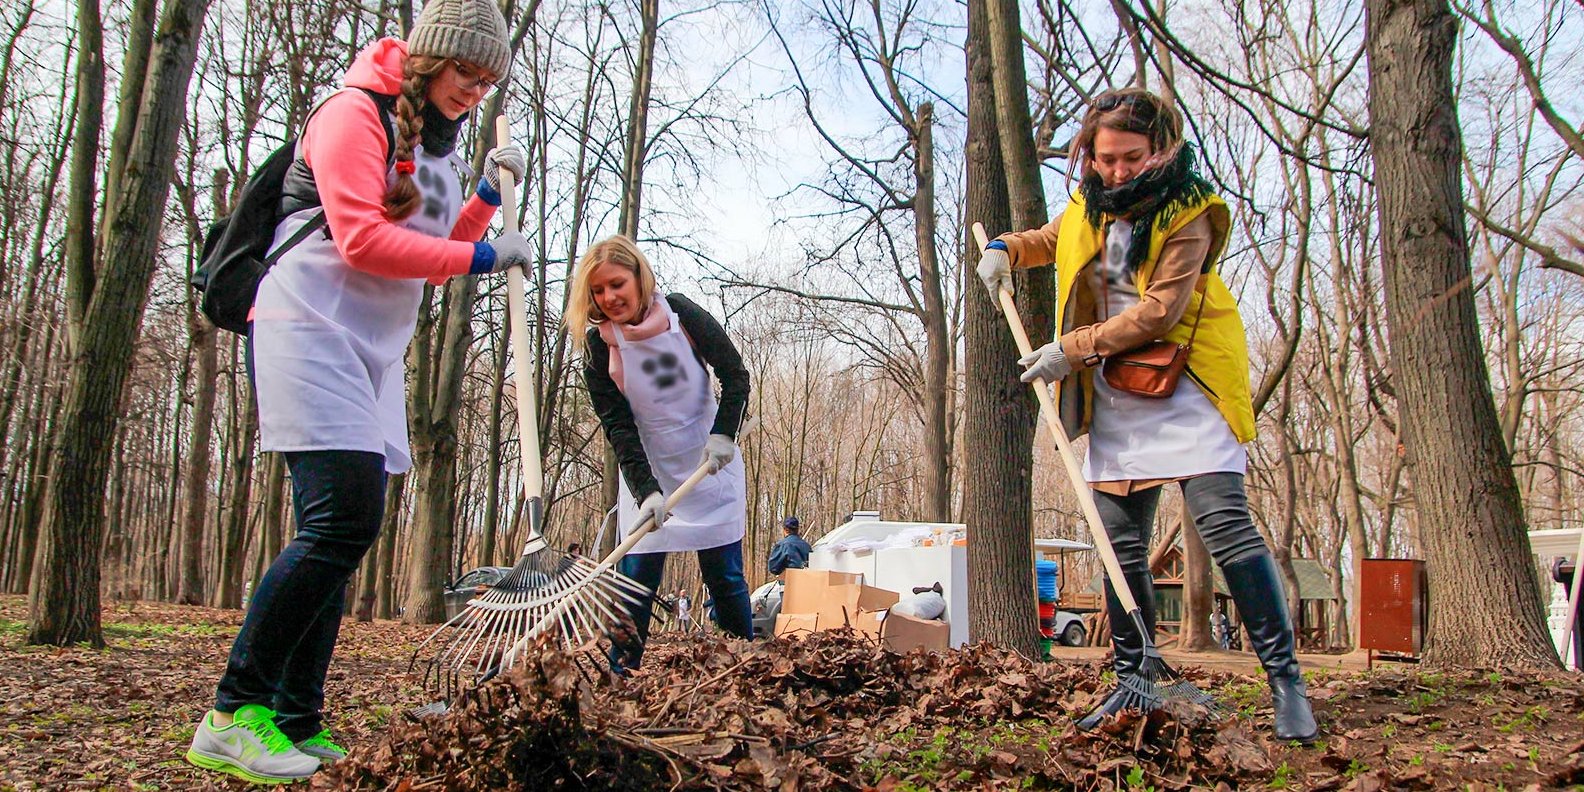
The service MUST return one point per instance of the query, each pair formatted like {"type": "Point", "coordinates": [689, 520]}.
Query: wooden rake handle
{"type": "Point", "coordinates": [522, 351]}
{"type": "Point", "coordinates": [1097, 531]}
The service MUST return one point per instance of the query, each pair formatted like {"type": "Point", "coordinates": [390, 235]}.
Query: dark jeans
{"type": "Point", "coordinates": [282, 653]}
{"type": "Point", "coordinates": [1216, 501]}
{"type": "Point", "coordinates": [722, 568]}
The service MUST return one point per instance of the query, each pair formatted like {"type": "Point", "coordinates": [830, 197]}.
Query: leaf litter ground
{"type": "Point", "coordinates": [831, 711]}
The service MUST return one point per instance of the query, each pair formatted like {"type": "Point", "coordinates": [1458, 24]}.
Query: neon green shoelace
{"type": "Point", "coordinates": [268, 733]}
{"type": "Point", "coordinates": [322, 740]}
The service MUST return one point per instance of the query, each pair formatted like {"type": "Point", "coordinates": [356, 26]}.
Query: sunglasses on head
{"type": "Point", "coordinates": [1109, 102]}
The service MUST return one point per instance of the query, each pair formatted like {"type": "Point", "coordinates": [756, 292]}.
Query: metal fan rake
{"type": "Point", "coordinates": [546, 588]}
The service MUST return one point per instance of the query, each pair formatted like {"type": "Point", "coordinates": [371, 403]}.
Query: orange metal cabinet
{"type": "Point", "coordinates": [1394, 605]}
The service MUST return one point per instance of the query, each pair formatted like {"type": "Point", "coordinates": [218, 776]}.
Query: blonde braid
{"type": "Point", "coordinates": [403, 198]}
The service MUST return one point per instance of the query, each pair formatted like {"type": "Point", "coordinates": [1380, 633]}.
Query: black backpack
{"type": "Point", "coordinates": [236, 250]}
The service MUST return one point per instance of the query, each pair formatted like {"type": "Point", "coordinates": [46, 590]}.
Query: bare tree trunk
{"type": "Point", "coordinates": [998, 424]}
{"type": "Point", "coordinates": [432, 414]}
{"type": "Point", "coordinates": [1198, 590]}
{"type": "Point", "coordinates": [64, 600]}
{"type": "Point", "coordinates": [492, 492]}
{"type": "Point", "coordinates": [937, 355]}
{"type": "Point", "coordinates": [234, 518]}
{"type": "Point", "coordinates": [273, 525]}
{"type": "Point", "coordinates": [1485, 610]}
{"type": "Point", "coordinates": [635, 156]}
{"type": "Point", "coordinates": [385, 595]}
{"type": "Point", "coordinates": [190, 588]}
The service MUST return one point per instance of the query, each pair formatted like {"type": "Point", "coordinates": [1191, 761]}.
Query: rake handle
{"type": "Point", "coordinates": [1080, 487]}
{"type": "Point", "coordinates": [522, 351]}
{"type": "Point", "coordinates": [645, 526]}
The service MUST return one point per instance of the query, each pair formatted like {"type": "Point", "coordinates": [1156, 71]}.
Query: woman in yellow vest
{"type": "Point", "coordinates": [1135, 254]}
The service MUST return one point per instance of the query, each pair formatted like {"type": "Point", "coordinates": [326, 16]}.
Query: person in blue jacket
{"type": "Point", "coordinates": [791, 552]}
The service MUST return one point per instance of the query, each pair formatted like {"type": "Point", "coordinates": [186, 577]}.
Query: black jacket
{"type": "Point", "coordinates": [711, 347]}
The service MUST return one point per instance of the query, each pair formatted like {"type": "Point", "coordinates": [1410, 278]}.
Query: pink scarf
{"type": "Point", "coordinates": [655, 322]}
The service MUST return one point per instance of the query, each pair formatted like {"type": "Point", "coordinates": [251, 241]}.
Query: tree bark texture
{"type": "Point", "coordinates": [64, 602]}
{"type": "Point", "coordinates": [937, 356]}
{"type": "Point", "coordinates": [1484, 609]}
{"type": "Point", "coordinates": [998, 425]}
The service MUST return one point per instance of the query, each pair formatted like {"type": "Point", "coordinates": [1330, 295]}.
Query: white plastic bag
{"type": "Point", "coordinates": [928, 605]}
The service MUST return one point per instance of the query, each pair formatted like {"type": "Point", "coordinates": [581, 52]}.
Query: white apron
{"type": "Point", "coordinates": [330, 342]}
{"type": "Point", "coordinates": [674, 407]}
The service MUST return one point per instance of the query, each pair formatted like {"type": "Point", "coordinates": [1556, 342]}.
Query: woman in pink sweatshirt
{"type": "Point", "coordinates": [330, 329]}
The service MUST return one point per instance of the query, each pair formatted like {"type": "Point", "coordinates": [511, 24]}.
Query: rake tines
{"type": "Point", "coordinates": [546, 592]}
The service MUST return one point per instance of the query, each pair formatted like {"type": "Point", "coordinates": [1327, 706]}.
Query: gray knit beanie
{"type": "Point", "coordinates": [469, 30]}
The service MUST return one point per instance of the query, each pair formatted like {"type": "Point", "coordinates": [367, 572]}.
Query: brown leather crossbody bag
{"type": "Point", "coordinates": [1153, 369]}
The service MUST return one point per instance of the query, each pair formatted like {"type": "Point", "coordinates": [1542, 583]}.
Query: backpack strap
{"type": "Point", "coordinates": [387, 107]}
{"type": "Point", "coordinates": [299, 184]}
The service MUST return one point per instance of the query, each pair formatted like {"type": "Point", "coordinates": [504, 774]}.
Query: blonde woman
{"type": "Point", "coordinates": [647, 362]}
{"type": "Point", "coordinates": [1135, 255]}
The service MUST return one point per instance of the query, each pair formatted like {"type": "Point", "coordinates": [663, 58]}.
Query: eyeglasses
{"type": "Point", "coordinates": [470, 78]}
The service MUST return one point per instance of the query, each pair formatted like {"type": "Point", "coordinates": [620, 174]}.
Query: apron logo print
{"type": "Point", "coordinates": [435, 191]}
{"type": "Point", "coordinates": [664, 370]}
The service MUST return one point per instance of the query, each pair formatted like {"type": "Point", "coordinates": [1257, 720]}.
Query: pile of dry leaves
{"type": "Point", "coordinates": [831, 711]}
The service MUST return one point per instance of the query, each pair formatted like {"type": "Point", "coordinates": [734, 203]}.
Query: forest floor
{"type": "Point", "coordinates": [827, 712]}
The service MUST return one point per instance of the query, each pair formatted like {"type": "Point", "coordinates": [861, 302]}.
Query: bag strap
{"type": "Point", "coordinates": [314, 224]}
{"type": "Point", "coordinates": [1105, 299]}
{"type": "Point", "coordinates": [318, 220]}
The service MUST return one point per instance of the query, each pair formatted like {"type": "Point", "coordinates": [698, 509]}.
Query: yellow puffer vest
{"type": "Point", "coordinates": [1219, 363]}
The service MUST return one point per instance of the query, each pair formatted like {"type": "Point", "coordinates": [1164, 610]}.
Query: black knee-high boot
{"type": "Point", "coordinates": [1127, 644]}
{"type": "Point", "coordinates": [1255, 586]}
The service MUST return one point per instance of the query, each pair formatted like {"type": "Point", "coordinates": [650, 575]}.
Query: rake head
{"type": "Point", "coordinates": [1153, 687]}
{"type": "Point", "coordinates": [1157, 683]}
{"type": "Point", "coordinates": [547, 591]}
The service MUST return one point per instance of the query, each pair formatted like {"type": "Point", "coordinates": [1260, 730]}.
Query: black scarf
{"type": "Point", "coordinates": [1149, 199]}
{"type": "Point", "coordinates": [439, 133]}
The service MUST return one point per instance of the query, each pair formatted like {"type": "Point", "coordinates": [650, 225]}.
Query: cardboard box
{"type": "Point", "coordinates": [905, 633]}
{"type": "Point", "coordinates": [845, 604]}
{"type": "Point", "coordinates": [805, 588]}
{"type": "Point", "coordinates": [863, 621]}
{"type": "Point", "coordinates": [795, 623]}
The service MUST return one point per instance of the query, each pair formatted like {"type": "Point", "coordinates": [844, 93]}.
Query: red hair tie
{"type": "Point", "coordinates": [406, 167]}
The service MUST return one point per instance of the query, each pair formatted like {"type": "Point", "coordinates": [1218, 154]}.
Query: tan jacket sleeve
{"type": "Point", "coordinates": [1162, 306]}
{"type": "Point", "coordinates": [1033, 248]}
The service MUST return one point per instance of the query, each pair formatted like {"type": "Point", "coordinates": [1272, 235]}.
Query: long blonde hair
{"type": "Point", "coordinates": [581, 311]}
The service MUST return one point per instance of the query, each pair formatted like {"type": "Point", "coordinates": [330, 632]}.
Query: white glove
{"type": "Point", "coordinates": [509, 157]}
{"type": "Point", "coordinates": [995, 269]}
{"type": "Point", "coordinates": [511, 250]}
{"type": "Point", "coordinates": [719, 451]}
{"type": "Point", "coordinates": [654, 506]}
{"type": "Point", "coordinates": [1048, 363]}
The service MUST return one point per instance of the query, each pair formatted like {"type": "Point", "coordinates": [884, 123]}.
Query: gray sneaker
{"type": "Point", "coordinates": [251, 748]}
{"type": "Point", "coordinates": [321, 747]}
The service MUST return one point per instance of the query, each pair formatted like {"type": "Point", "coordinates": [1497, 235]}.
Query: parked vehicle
{"type": "Point", "coordinates": [469, 586]}
{"type": "Point", "coordinates": [766, 604]}
{"type": "Point", "coordinates": [1069, 628]}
